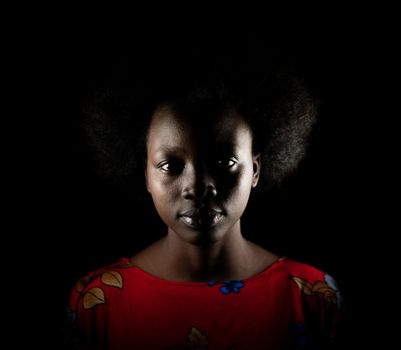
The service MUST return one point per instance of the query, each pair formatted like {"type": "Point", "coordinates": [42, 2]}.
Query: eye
{"type": "Point", "coordinates": [226, 163]}
{"type": "Point", "coordinates": [171, 167]}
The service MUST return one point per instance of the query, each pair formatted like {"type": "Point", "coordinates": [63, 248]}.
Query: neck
{"type": "Point", "coordinates": [226, 258]}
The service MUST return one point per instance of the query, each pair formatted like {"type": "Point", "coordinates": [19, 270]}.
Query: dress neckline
{"type": "Point", "coordinates": [126, 262]}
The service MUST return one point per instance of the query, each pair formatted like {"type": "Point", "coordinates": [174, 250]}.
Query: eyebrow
{"type": "Point", "coordinates": [170, 149]}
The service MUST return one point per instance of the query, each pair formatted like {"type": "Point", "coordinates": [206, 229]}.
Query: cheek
{"type": "Point", "coordinates": [244, 186]}
{"type": "Point", "coordinates": [162, 202]}
{"type": "Point", "coordinates": [163, 190]}
{"type": "Point", "coordinates": [155, 182]}
{"type": "Point", "coordinates": [237, 186]}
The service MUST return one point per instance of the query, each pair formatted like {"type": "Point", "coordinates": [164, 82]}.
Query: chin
{"type": "Point", "coordinates": [201, 237]}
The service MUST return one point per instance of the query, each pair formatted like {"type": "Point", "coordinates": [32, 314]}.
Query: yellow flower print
{"type": "Point", "coordinates": [329, 294]}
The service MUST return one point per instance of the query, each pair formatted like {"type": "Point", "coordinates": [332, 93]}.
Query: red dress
{"type": "Point", "coordinates": [289, 305]}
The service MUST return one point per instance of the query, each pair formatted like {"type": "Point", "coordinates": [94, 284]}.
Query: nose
{"type": "Point", "coordinates": [199, 185]}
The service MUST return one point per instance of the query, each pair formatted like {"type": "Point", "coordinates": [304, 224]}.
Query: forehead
{"type": "Point", "coordinates": [224, 128]}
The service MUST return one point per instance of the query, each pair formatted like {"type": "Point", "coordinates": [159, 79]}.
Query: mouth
{"type": "Point", "coordinates": [201, 218]}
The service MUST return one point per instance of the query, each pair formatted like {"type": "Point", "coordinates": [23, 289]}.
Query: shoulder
{"type": "Point", "coordinates": [302, 270]}
{"type": "Point", "coordinates": [89, 289]}
{"type": "Point", "coordinates": [310, 281]}
{"type": "Point", "coordinates": [318, 303]}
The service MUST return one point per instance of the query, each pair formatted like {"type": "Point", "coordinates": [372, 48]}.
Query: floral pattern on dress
{"type": "Point", "coordinates": [196, 340]}
{"type": "Point", "coordinates": [328, 293]}
{"type": "Point", "coordinates": [228, 287]}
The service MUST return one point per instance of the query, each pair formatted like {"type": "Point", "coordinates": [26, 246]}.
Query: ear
{"type": "Point", "coordinates": [256, 161]}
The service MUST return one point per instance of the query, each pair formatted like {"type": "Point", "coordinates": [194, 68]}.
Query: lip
{"type": "Point", "coordinates": [201, 218]}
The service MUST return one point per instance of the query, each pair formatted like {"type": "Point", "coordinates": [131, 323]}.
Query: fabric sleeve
{"type": "Point", "coordinates": [323, 315]}
{"type": "Point", "coordinates": [73, 335]}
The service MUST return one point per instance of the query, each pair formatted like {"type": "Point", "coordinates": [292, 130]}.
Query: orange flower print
{"type": "Point", "coordinates": [319, 287]}
{"type": "Point", "coordinates": [93, 297]}
{"type": "Point", "coordinates": [112, 279]}
{"type": "Point", "coordinates": [196, 340]}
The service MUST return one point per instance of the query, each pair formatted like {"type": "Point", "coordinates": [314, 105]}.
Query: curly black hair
{"type": "Point", "coordinates": [273, 101]}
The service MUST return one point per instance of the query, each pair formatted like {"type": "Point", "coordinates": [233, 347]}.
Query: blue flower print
{"type": "Point", "coordinates": [229, 286]}
{"type": "Point", "coordinates": [332, 283]}
{"type": "Point", "coordinates": [71, 316]}
{"type": "Point", "coordinates": [299, 330]}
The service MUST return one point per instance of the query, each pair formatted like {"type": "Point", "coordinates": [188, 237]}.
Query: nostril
{"type": "Point", "coordinates": [201, 193]}
{"type": "Point", "coordinates": [189, 195]}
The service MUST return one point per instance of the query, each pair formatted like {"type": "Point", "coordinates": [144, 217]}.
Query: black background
{"type": "Point", "coordinates": [74, 222]}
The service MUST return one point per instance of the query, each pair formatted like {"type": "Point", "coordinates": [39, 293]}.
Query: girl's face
{"type": "Point", "coordinates": [200, 172]}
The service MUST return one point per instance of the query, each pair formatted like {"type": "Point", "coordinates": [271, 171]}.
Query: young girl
{"type": "Point", "coordinates": [206, 135]}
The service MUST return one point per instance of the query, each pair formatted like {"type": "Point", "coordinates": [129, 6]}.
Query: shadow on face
{"type": "Point", "coordinates": [200, 169]}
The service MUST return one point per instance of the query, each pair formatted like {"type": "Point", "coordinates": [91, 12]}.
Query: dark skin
{"type": "Point", "coordinates": [200, 175]}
